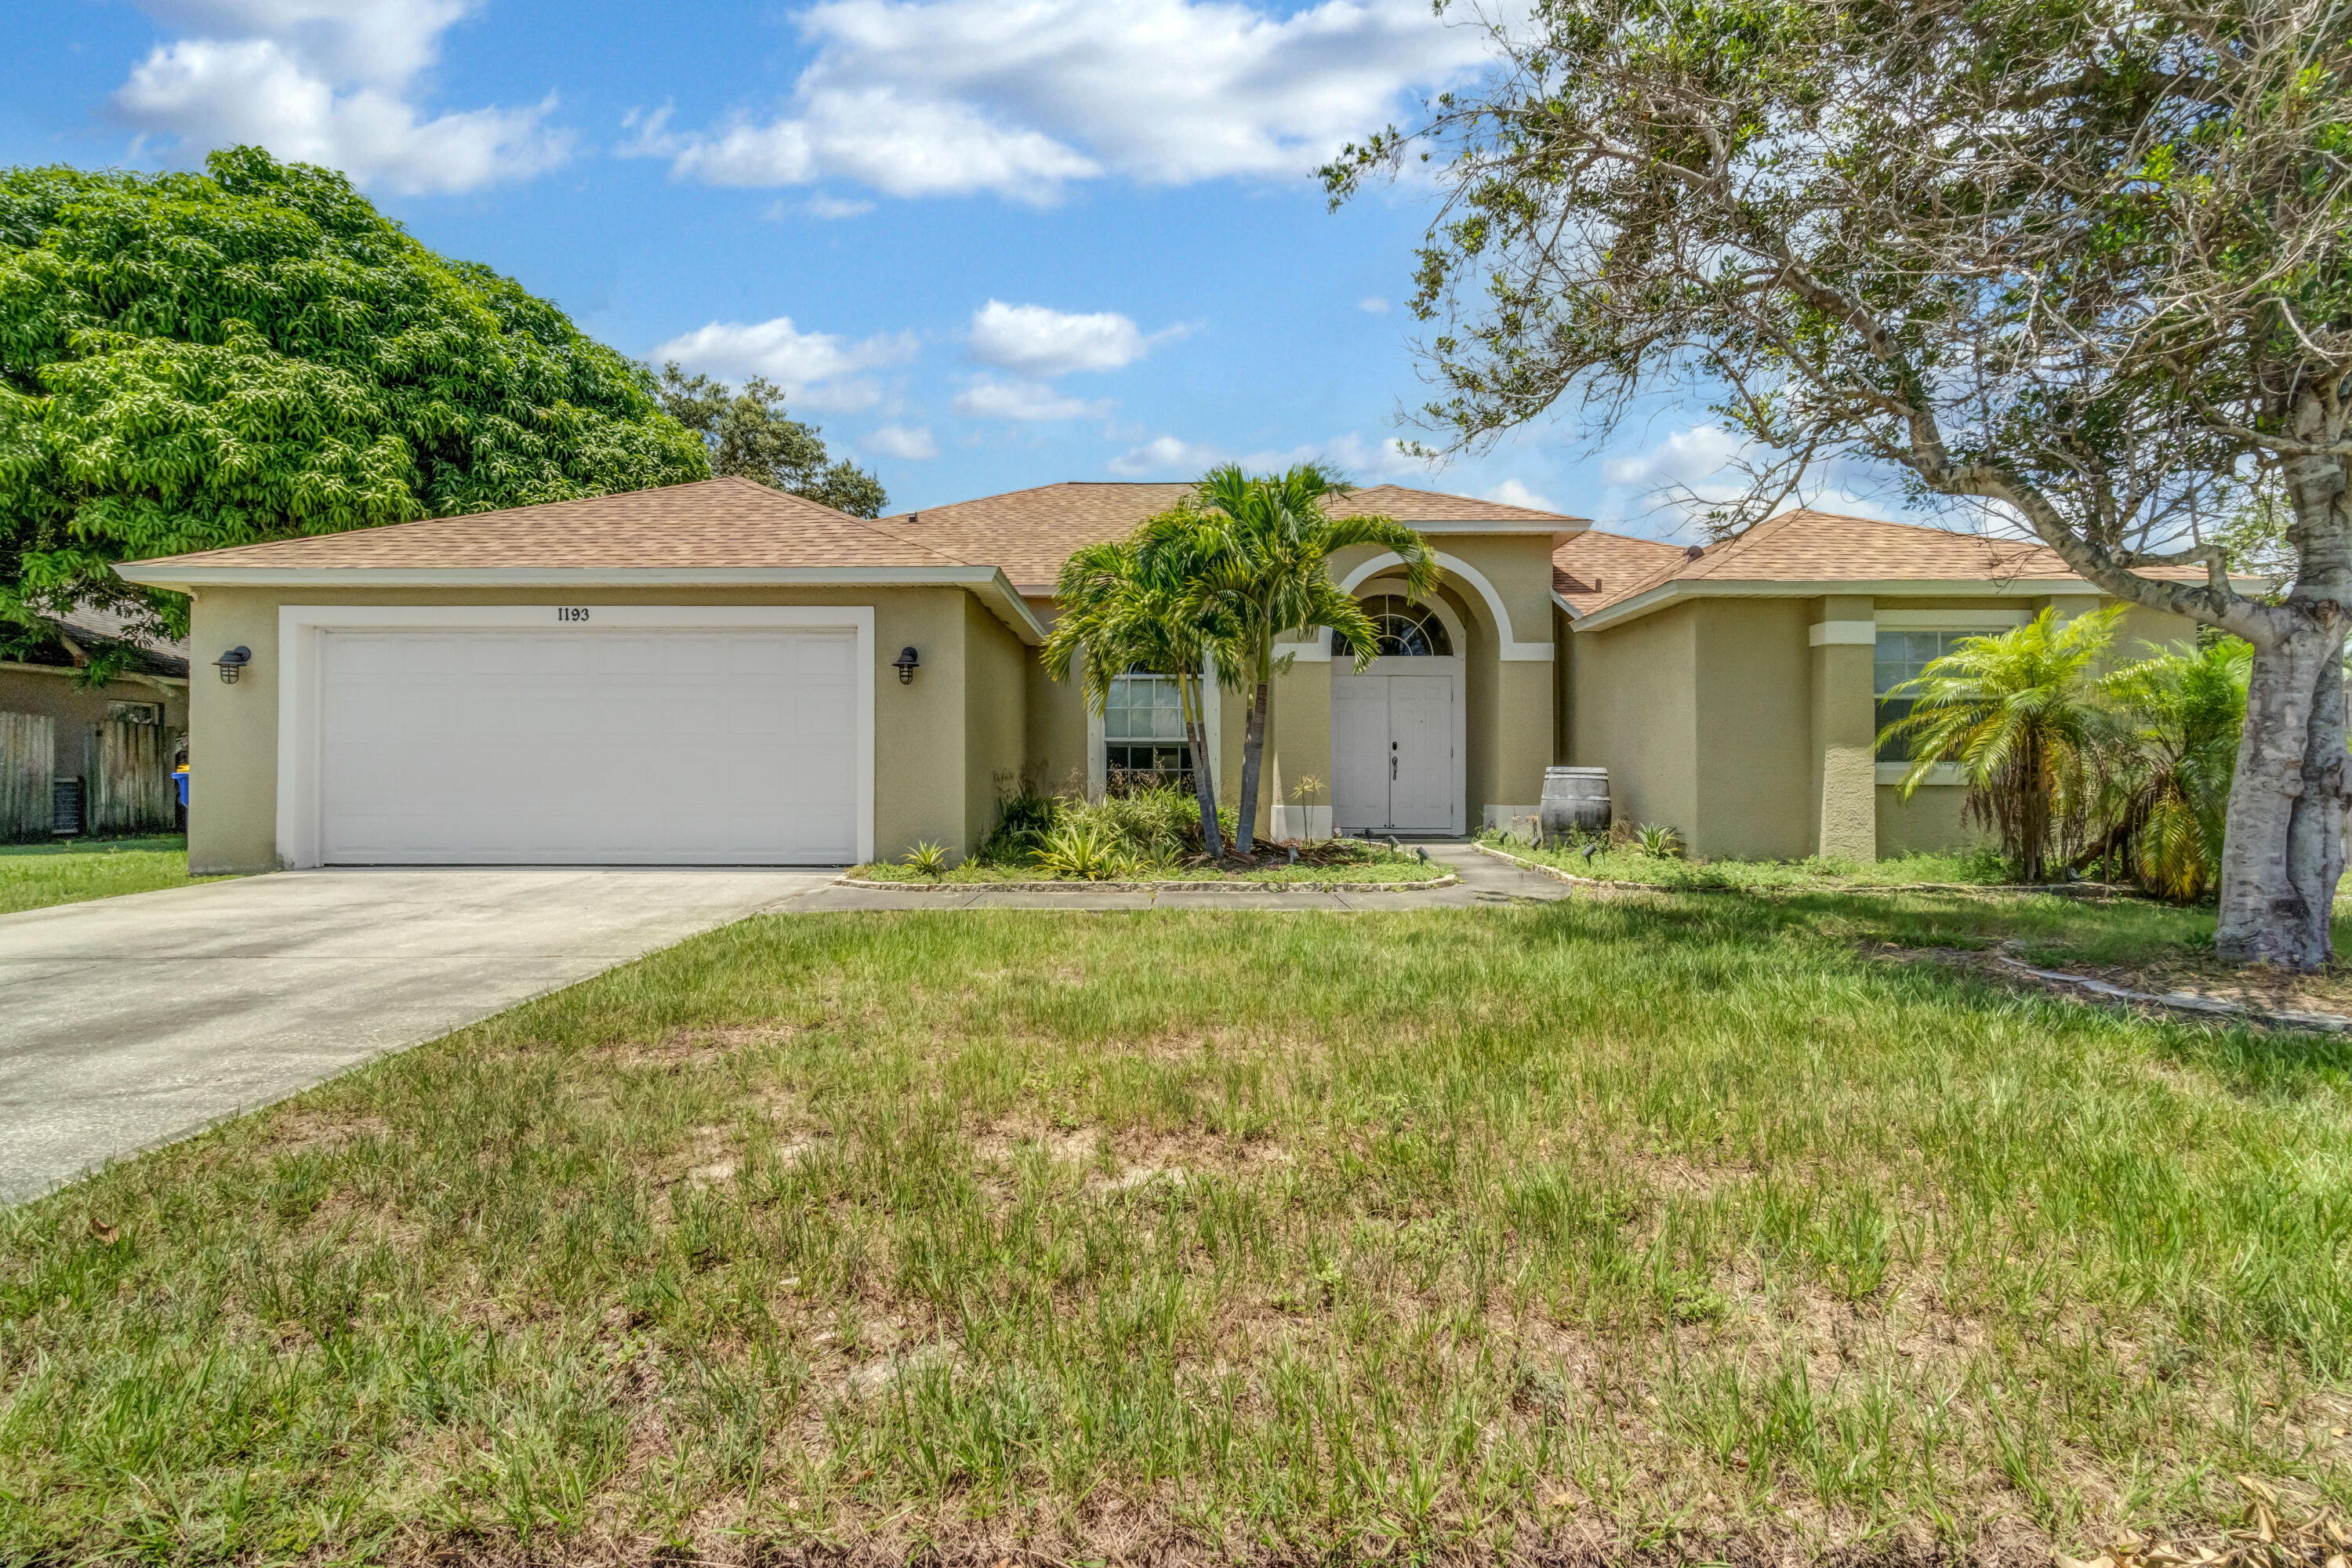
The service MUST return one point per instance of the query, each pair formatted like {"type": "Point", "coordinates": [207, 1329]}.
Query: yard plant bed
{"type": "Point", "coordinates": [1616, 862]}
{"type": "Point", "coordinates": [34, 876]}
{"type": "Point", "coordinates": [1665, 1228]}
{"type": "Point", "coordinates": [1334, 862]}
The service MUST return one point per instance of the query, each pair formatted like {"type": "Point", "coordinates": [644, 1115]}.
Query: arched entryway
{"type": "Point", "coordinates": [1397, 724]}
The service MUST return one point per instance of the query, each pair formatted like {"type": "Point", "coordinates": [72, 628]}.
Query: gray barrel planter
{"type": "Point", "coordinates": [1575, 800]}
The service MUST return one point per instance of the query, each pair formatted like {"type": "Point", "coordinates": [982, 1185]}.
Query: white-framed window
{"type": "Point", "coordinates": [1143, 732]}
{"type": "Point", "coordinates": [1901, 655]}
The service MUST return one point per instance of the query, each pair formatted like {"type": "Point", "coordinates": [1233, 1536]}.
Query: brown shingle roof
{"type": "Point", "coordinates": [1435, 506]}
{"type": "Point", "coordinates": [1584, 569]}
{"type": "Point", "coordinates": [1806, 546]}
{"type": "Point", "coordinates": [1031, 532]}
{"type": "Point", "coordinates": [736, 522]}
{"type": "Point", "coordinates": [729, 522]}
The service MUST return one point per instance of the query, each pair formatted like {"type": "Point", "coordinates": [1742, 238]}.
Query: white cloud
{"type": "Point", "coordinates": [328, 82]}
{"type": "Point", "coordinates": [1036, 341]}
{"type": "Point", "coordinates": [898, 441]}
{"type": "Point", "coordinates": [384, 41]}
{"type": "Point", "coordinates": [819, 370]}
{"type": "Point", "coordinates": [991, 399]}
{"type": "Point", "coordinates": [1511, 492]}
{"type": "Point", "coordinates": [1352, 456]}
{"type": "Point", "coordinates": [874, 136]}
{"type": "Point", "coordinates": [1693, 470]}
{"type": "Point", "coordinates": [1373, 305]}
{"type": "Point", "coordinates": [1685, 458]}
{"type": "Point", "coordinates": [1165, 454]}
{"type": "Point", "coordinates": [829, 207]}
{"type": "Point", "coordinates": [1023, 97]}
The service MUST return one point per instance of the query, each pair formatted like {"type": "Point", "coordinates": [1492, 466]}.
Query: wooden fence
{"type": "Point", "coordinates": [131, 791]}
{"type": "Point", "coordinates": [28, 748]}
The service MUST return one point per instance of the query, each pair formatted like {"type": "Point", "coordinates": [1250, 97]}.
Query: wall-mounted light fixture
{"type": "Point", "coordinates": [232, 664]}
{"type": "Point", "coordinates": [906, 663]}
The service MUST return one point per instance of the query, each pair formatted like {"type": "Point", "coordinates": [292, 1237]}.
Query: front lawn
{"type": "Point", "coordinates": [33, 876]}
{"type": "Point", "coordinates": [1672, 1226]}
{"type": "Point", "coordinates": [2106, 933]}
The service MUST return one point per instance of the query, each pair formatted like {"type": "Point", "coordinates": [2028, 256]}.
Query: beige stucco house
{"type": "Point", "coordinates": [717, 673]}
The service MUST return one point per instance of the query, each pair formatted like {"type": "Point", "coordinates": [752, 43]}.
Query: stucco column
{"type": "Point", "coordinates": [1844, 730]}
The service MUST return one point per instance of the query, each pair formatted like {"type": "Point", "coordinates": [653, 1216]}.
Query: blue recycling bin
{"type": "Point", "coordinates": [180, 781]}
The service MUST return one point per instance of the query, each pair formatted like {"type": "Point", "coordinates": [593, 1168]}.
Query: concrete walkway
{"type": "Point", "coordinates": [130, 1021]}
{"type": "Point", "coordinates": [1484, 880]}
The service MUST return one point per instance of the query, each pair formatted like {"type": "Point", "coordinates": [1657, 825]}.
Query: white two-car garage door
{"type": "Point", "coordinates": [614, 747]}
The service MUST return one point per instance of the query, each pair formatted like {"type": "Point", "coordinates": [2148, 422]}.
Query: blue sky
{"type": "Point", "coordinates": [983, 243]}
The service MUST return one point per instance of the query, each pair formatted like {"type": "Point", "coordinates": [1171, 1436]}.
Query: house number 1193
{"type": "Point", "coordinates": [571, 611]}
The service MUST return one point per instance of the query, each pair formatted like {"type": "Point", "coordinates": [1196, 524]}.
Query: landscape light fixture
{"type": "Point", "coordinates": [906, 663]}
{"type": "Point", "coordinates": [232, 664]}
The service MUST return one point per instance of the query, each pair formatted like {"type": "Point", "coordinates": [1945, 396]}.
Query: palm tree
{"type": "Point", "coordinates": [2019, 713]}
{"type": "Point", "coordinates": [2174, 752]}
{"type": "Point", "coordinates": [1135, 605]}
{"type": "Point", "coordinates": [1262, 548]}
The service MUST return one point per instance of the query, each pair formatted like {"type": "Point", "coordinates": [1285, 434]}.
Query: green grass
{"type": "Point", "coordinates": [1617, 863]}
{"type": "Point", "coordinates": [33, 876]}
{"type": "Point", "coordinates": [1674, 1225]}
{"type": "Point", "coordinates": [1372, 863]}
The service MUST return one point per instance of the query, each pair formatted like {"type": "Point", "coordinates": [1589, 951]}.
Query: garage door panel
{"type": "Point", "coordinates": [626, 746]}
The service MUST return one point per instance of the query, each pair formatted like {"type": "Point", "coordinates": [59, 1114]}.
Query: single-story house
{"type": "Point", "coordinates": [721, 673]}
{"type": "Point", "coordinates": [81, 755]}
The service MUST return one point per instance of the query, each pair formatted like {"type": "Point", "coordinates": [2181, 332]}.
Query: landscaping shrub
{"type": "Point", "coordinates": [1145, 823]}
{"type": "Point", "coordinates": [1086, 850]}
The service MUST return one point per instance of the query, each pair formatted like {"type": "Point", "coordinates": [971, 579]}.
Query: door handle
{"type": "Point", "coordinates": [1391, 769]}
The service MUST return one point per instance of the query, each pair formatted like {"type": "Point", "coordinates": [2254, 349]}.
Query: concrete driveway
{"type": "Point", "coordinates": [130, 1021]}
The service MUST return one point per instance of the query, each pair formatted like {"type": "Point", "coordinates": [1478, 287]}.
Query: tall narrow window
{"type": "Point", "coordinates": [1143, 734]}
{"type": "Point", "coordinates": [1901, 656]}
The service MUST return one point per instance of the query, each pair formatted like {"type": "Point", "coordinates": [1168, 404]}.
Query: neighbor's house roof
{"type": "Point", "coordinates": [1808, 552]}
{"type": "Point", "coordinates": [89, 631]}
{"type": "Point", "coordinates": [710, 531]}
{"type": "Point", "coordinates": [1031, 532]}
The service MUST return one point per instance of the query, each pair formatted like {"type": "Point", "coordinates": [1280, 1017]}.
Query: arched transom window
{"type": "Point", "coordinates": [1408, 630]}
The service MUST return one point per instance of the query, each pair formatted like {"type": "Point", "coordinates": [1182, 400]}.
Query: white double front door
{"type": "Point", "coordinates": [1396, 741]}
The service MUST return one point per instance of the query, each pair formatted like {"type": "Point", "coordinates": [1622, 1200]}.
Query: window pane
{"type": "Point", "coordinates": [1896, 749]}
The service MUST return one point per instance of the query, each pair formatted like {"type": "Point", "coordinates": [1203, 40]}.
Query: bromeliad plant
{"type": "Point", "coordinates": [1256, 551]}
{"type": "Point", "coordinates": [928, 859]}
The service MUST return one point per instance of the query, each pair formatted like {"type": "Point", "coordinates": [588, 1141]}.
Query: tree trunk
{"type": "Point", "coordinates": [2283, 851]}
{"type": "Point", "coordinates": [1205, 784]}
{"type": "Point", "coordinates": [1253, 752]}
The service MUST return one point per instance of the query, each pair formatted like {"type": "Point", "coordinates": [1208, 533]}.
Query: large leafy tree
{"type": "Point", "coordinates": [1258, 550]}
{"type": "Point", "coordinates": [194, 361]}
{"type": "Point", "coordinates": [748, 433]}
{"type": "Point", "coordinates": [1140, 604]}
{"type": "Point", "coordinates": [2086, 264]}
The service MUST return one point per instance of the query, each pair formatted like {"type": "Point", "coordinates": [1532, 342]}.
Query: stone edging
{"type": "Point", "coordinates": [2181, 1001]}
{"type": "Point", "coordinates": [2063, 890]}
{"type": "Point", "coordinates": [1229, 885]}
